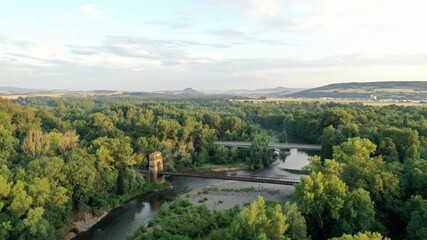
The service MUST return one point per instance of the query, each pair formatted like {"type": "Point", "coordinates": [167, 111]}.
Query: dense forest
{"type": "Point", "coordinates": [62, 156]}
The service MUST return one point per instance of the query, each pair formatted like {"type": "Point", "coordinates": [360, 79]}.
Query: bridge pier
{"type": "Point", "coordinates": [155, 165]}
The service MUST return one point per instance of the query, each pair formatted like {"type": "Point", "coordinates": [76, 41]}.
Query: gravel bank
{"type": "Point", "coordinates": [230, 193]}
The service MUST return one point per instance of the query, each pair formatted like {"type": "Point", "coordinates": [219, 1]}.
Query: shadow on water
{"type": "Point", "coordinates": [124, 220]}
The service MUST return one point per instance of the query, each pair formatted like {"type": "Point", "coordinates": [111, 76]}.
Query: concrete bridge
{"type": "Point", "coordinates": [288, 146]}
{"type": "Point", "coordinates": [156, 174]}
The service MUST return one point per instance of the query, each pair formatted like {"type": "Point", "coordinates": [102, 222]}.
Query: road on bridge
{"type": "Point", "coordinates": [300, 146]}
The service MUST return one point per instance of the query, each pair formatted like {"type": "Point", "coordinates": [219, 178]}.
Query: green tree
{"type": "Point", "coordinates": [329, 207]}
{"type": "Point", "coordinates": [283, 137]}
{"type": "Point", "coordinates": [81, 175]}
{"type": "Point", "coordinates": [416, 211]}
{"type": "Point", "coordinates": [328, 140]}
{"type": "Point", "coordinates": [297, 226]}
{"type": "Point", "coordinates": [21, 201]}
{"type": "Point", "coordinates": [257, 222]}
{"type": "Point", "coordinates": [359, 148]}
{"type": "Point", "coordinates": [362, 236]}
{"type": "Point", "coordinates": [414, 179]}
{"type": "Point", "coordinates": [234, 154]}
{"type": "Point", "coordinates": [362, 171]}
{"type": "Point", "coordinates": [387, 149]}
{"type": "Point", "coordinates": [221, 154]}
{"type": "Point", "coordinates": [406, 141]}
{"type": "Point", "coordinates": [167, 129]}
{"type": "Point", "coordinates": [260, 155]}
{"type": "Point", "coordinates": [5, 188]}
{"type": "Point", "coordinates": [201, 157]}
{"type": "Point", "coordinates": [8, 143]}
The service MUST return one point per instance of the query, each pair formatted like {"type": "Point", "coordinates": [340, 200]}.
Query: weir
{"type": "Point", "coordinates": [300, 146]}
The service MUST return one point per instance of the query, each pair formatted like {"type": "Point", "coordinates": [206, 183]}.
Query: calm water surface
{"type": "Point", "coordinates": [124, 220]}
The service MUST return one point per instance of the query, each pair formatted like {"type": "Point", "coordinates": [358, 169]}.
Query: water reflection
{"type": "Point", "coordinates": [296, 160]}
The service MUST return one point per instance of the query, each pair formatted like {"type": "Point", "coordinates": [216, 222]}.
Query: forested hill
{"type": "Point", "coordinates": [399, 90]}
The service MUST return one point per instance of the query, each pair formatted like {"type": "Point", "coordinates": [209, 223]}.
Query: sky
{"type": "Point", "coordinates": [143, 45]}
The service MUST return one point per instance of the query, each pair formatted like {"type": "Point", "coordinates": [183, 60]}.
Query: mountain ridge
{"type": "Point", "coordinates": [395, 90]}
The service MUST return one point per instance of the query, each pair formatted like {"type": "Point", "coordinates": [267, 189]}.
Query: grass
{"type": "Point", "coordinates": [213, 166]}
{"type": "Point", "coordinates": [207, 190]}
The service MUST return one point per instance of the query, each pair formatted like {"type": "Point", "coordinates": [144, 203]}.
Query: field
{"type": "Point", "coordinates": [62, 94]}
{"type": "Point", "coordinates": [251, 100]}
{"type": "Point", "coordinates": [371, 90]}
{"type": "Point", "coordinates": [52, 95]}
{"type": "Point", "coordinates": [365, 102]}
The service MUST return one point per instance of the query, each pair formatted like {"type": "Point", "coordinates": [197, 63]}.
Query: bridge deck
{"type": "Point", "coordinates": [271, 145]}
{"type": "Point", "coordinates": [236, 177]}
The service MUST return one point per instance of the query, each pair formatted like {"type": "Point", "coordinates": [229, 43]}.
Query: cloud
{"type": "Point", "coordinates": [252, 8]}
{"type": "Point", "coordinates": [142, 50]}
{"type": "Point", "coordinates": [236, 36]}
{"type": "Point", "coordinates": [29, 50]}
{"type": "Point", "coordinates": [114, 70]}
{"type": "Point", "coordinates": [182, 22]}
{"type": "Point", "coordinates": [258, 8]}
{"type": "Point", "coordinates": [230, 33]}
{"type": "Point", "coordinates": [92, 11]}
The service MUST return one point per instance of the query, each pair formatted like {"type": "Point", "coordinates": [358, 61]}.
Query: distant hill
{"type": "Point", "coordinates": [395, 90]}
{"type": "Point", "coordinates": [267, 92]}
{"type": "Point", "coordinates": [16, 90]}
{"type": "Point", "coordinates": [188, 92]}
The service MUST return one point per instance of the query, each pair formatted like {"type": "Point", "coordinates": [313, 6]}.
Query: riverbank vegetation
{"type": "Point", "coordinates": [258, 220]}
{"type": "Point", "coordinates": [59, 156]}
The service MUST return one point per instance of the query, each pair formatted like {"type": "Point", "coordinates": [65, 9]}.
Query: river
{"type": "Point", "coordinates": [124, 220]}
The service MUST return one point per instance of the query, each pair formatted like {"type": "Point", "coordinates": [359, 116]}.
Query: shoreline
{"type": "Point", "coordinates": [81, 222]}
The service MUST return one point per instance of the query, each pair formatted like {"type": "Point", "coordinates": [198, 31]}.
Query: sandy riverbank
{"type": "Point", "coordinates": [230, 193]}
{"type": "Point", "coordinates": [83, 222]}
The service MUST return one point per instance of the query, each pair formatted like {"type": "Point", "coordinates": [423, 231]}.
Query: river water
{"type": "Point", "coordinates": [124, 220]}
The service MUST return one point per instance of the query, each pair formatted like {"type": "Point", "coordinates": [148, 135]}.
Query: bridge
{"type": "Point", "coordinates": [300, 146]}
{"type": "Point", "coordinates": [235, 177]}
{"type": "Point", "coordinates": [156, 174]}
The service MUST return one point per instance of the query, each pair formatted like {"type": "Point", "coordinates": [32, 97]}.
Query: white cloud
{"type": "Point", "coordinates": [259, 8]}
{"type": "Point", "coordinates": [30, 51]}
{"type": "Point", "coordinates": [92, 11]}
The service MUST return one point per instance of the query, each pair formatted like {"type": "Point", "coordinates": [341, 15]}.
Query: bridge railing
{"type": "Point", "coordinates": [223, 175]}
{"type": "Point", "coordinates": [232, 176]}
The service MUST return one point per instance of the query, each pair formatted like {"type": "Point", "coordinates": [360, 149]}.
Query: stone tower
{"type": "Point", "coordinates": [156, 165]}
